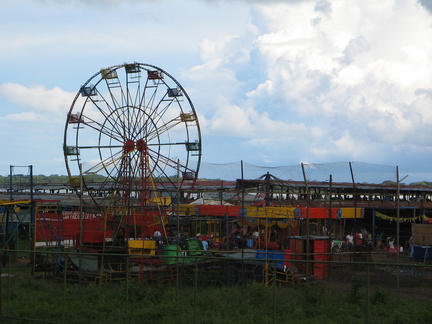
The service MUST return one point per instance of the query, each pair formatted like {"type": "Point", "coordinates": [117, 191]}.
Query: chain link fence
{"type": "Point", "coordinates": [46, 287]}
{"type": "Point", "coordinates": [344, 172]}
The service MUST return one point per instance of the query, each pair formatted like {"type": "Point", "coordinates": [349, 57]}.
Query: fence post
{"type": "Point", "coordinates": [274, 290]}
{"type": "Point", "coordinates": [195, 290]}
{"type": "Point", "coordinates": [65, 263]}
{"type": "Point", "coordinates": [368, 295]}
{"type": "Point", "coordinates": [127, 287]}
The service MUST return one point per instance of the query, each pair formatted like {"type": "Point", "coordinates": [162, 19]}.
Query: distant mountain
{"type": "Point", "coordinates": [422, 183]}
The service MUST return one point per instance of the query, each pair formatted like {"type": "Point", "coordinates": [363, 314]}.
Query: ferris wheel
{"type": "Point", "coordinates": [131, 131]}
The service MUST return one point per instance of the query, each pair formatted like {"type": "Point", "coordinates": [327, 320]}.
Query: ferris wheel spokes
{"type": "Point", "coordinates": [102, 129]}
{"type": "Point", "coordinates": [132, 127]}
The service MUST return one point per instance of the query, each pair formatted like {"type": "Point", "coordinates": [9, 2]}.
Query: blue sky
{"type": "Point", "coordinates": [273, 82]}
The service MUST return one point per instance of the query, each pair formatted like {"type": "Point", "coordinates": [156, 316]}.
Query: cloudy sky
{"type": "Point", "coordinates": [273, 82]}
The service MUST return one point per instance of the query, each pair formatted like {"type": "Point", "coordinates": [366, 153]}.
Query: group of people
{"type": "Point", "coordinates": [359, 238]}
{"type": "Point", "coordinates": [364, 239]}
{"type": "Point", "coordinates": [207, 241]}
{"type": "Point", "coordinates": [388, 245]}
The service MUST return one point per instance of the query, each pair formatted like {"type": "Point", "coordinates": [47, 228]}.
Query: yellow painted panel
{"type": "Point", "coordinates": [352, 212]}
{"type": "Point", "coordinates": [270, 212]}
{"type": "Point", "coordinates": [142, 247]}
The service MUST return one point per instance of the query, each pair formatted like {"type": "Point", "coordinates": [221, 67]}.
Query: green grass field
{"type": "Point", "coordinates": [25, 299]}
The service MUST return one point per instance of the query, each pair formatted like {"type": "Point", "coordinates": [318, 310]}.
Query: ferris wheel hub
{"type": "Point", "coordinates": [130, 145]}
{"type": "Point", "coordinates": [141, 145]}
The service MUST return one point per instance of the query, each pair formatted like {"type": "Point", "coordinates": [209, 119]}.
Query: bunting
{"type": "Point", "coordinates": [402, 220]}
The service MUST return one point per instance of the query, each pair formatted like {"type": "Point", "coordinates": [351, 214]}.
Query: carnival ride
{"type": "Point", "coordinates": [133, 129]}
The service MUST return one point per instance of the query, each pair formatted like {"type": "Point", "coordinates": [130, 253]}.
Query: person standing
{"type": "Point", "coordinates": [358, 239]}
{"type": "Point", "coordinates": [157, 234]}
{"type": "Point", "coordinates": [392, 248]}
{"type": "Point", "coordinates": [350, 241]}
{"type": "Point", "coordinates": [379, 245]}
{"type": "Point", "coordinates": [324, 230]}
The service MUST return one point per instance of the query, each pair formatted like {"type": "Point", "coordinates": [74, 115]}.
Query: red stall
{"type": "Point", "coordinates": [319, 253]}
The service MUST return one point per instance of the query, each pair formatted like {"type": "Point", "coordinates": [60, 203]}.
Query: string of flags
{"type": "Point", "coordinates": [403, 220]}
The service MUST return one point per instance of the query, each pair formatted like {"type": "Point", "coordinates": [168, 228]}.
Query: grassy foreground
{"type": "Point", "coordinates": [28, 300]}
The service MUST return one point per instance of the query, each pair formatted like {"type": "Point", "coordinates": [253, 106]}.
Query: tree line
{"type": "Point", "coordinates": [42, 179]}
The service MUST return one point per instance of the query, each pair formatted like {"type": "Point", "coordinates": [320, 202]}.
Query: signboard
{"type": "Point", "coordinates": [422, 234]}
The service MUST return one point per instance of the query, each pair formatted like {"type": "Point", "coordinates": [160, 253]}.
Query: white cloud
{"type": "Point", "coordinates": [25, 116]}
{"type": "Point", "coordinates": [318, 72]}
{"type": "Point", "coordinates": [37, 98]}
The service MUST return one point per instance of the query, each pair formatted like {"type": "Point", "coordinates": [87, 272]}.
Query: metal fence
{"type": "Point", "coordinates": [45, 287]}
{"type": "Point", "coordinates": [347, 172]}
